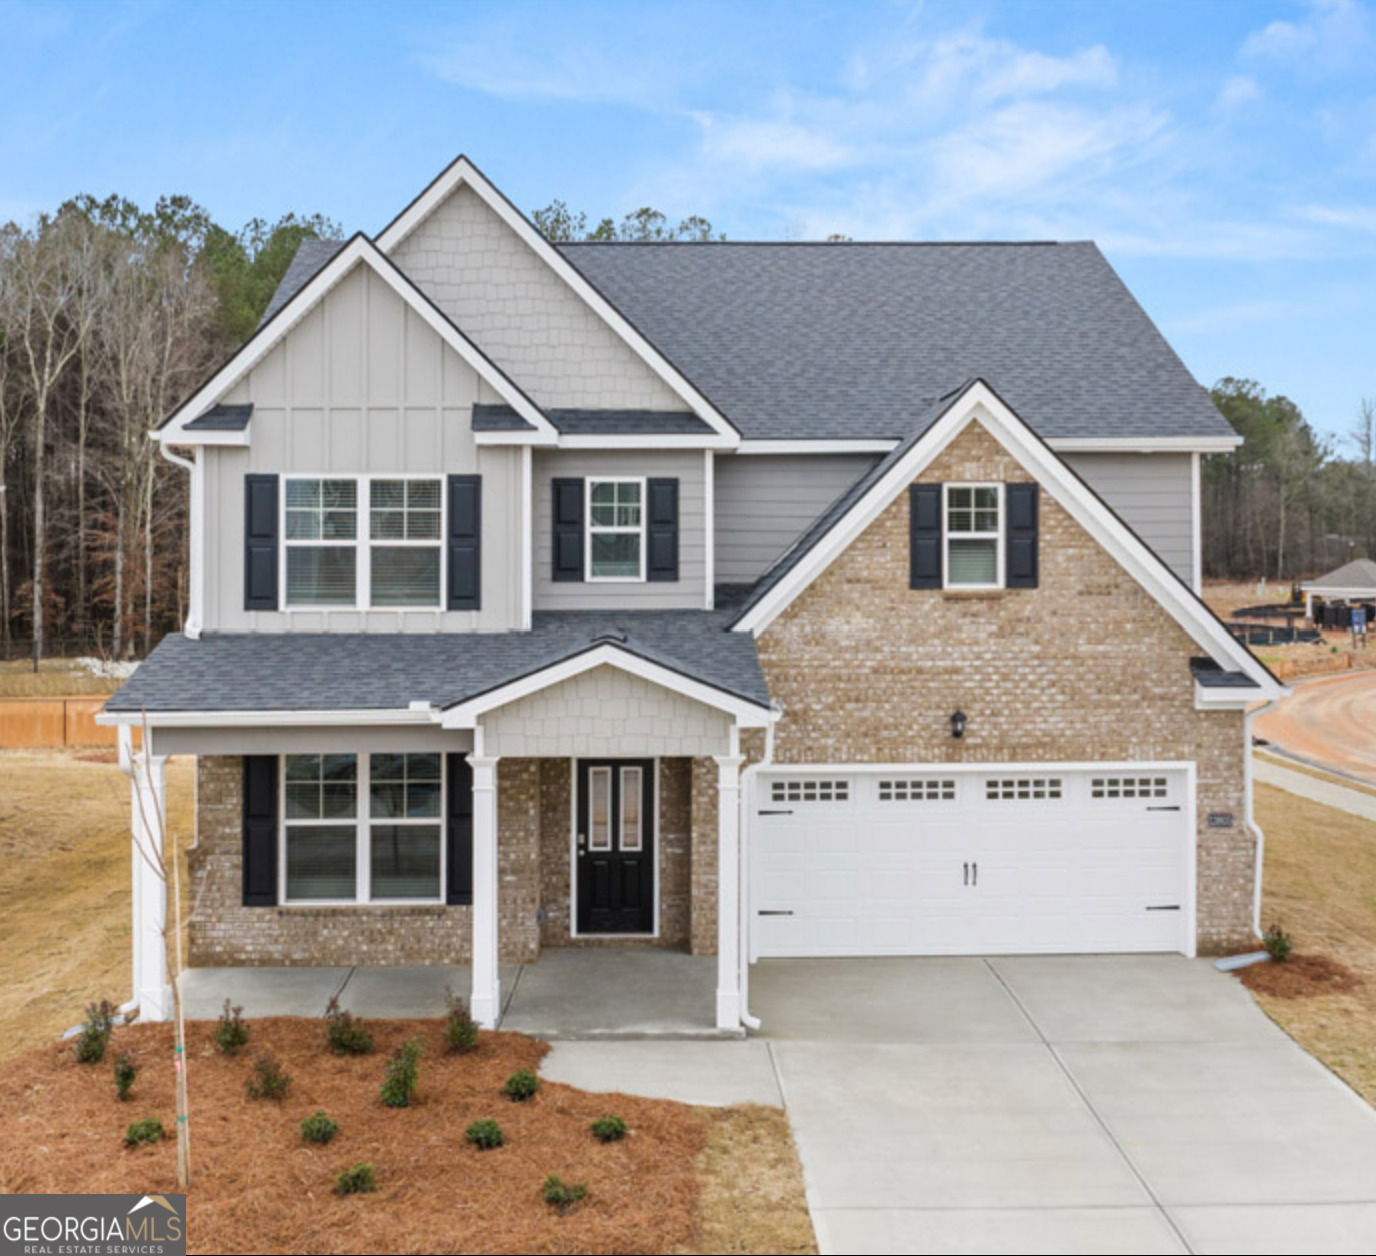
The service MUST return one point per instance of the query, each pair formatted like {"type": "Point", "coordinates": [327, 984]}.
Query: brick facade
{"type": "Point", "coordinates": [1087, 666]}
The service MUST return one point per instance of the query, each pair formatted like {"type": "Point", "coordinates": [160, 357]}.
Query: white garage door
{"type": "Point", "coordinates": [993, 862]}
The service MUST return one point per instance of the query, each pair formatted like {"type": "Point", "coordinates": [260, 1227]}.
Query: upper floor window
{"type": "Point", "coordinates": [974, 536]}
{"type": "Point", "coordinates": [616, 530]}
{"type": "Point", "coordinates": [336, 558]}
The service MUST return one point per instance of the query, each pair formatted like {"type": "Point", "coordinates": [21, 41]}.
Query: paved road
{"type": "Point", "coordinates": [1329, 793]}
{"type": "Point", "coordinates": [1330, 722]}
{"type": "Point", "coordinates": [1107, 1105]}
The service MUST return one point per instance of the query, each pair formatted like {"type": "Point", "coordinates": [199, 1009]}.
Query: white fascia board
{"type": "Point", "coordinates": [359, 250]}
{"type": "Point", "coordinates": [1207, 698]}
{"type": "Point", "coordinates": [980, 402]}
{"type": "Point", "coordinates": [467, 714]}
{"type": "Point", "coordinates": [262, 719]}
{"type": "Point", "coordinates": [527, 438]}
{"type": "Point", "coordinates": [1337, 591]}
{"type": "Point", "coordinates": [463, 172]}
{"type": "Point", "coordinates": [662, 440]}
{"type": "Point", "coordinates": [816, 446]}
{"type": "Point", "coordinates": [230, 440]}
{"type": "Point", "coordinates": [1144, 444]}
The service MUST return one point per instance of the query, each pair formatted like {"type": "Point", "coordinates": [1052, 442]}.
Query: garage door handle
{"type": "Point", "coordinates": [774, 813]}
{"type": "Point", "coordinates": [1170, 907]}
{"type": "Point", "coordinates": [763, 912]}
{"type": "Point", "coordinates": [1175, 808]}
{"type": "Point", "coordinates": [974, 874]}
{"type": "Point", "coordinates": [967, 874]}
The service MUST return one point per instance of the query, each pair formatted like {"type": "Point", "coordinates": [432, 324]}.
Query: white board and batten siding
{"type": "Point", "coordinates": [687, 592]}
{"type": "Point", "coordinates": [362, 386]}
{"type": "Point", "coordinates": [1000, 860]}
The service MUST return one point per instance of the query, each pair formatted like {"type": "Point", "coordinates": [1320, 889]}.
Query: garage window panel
{"type": "Point", "coordinates": [1130, 787]}
{"type": "Point", "coordinates": [810, 791]}
{"type": "Point", "coordinates": [917, 789]}
{"type": "Point", "coordinates": [1023, 789]}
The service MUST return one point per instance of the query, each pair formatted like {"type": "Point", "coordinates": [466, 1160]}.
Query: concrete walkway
{"type": "Point", "coordinates": [1330, 793]}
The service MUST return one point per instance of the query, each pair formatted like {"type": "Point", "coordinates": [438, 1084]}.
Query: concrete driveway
{"type": "Point", "coordinates": [1065, 1104]}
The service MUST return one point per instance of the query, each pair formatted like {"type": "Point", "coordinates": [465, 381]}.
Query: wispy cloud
{"type": "Point", "coordinates": [1238, 90]}
{"type": "Point", "coordinates": [1331, 33]}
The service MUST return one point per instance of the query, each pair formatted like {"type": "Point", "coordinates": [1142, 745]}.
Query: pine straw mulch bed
{"type": "Point", "coordinates": [258, 1188]}
{"type": "Point", "coordinates": [1300, 977]}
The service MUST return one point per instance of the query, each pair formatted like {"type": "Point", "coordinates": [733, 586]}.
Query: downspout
{"type": "Point", "coordinates": [194, 467]}
{"type": "Point", "coordinates": [747, 795]}
{"type": "Point", "coordinates": [1250, 816]}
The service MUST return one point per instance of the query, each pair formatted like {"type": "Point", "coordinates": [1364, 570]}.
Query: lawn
{"type": "Point", "coordinates": [1321, 886]}
{"type": "Point", "coordinates": [688, 1180]}
{"type": "Point", "coordinates": [55, 678]}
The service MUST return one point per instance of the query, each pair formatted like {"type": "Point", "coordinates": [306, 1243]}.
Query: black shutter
{"type": "Point", "coordinates": [568, 529]}
{"type": "Point", "coordinates": [465, 542]}
{"type": "Point", "coordinates": [924, 536]}
{"type": "Point", "coordinates": [662, 560]}
{"type": "Point", "coordinates": [260, 542]}
{"type": "Point", "coordinates": [458, 833]}
{"type": "Point", "coordinates": [1020, 557]}
{"type": "Point", "coordinates": [260, 830]}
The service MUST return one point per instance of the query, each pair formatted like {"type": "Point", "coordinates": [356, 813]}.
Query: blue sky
{"type": "Point", "coordinates": [1223, 154]}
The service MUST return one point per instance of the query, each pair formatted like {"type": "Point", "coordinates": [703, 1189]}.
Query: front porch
{"type": "Point", "coordinates": [565, 995]}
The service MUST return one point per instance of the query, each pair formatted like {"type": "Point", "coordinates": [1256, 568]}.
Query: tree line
{"type": "Point", "coordinates": [111, 314]}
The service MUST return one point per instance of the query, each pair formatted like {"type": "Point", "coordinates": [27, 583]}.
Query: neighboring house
{"type": "Point", "coordinates": [1354, 581]}
{"type": "Point", "coordinates": [748, 599]}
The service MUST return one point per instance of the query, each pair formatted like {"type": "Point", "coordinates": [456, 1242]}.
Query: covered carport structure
{"type": "Point", "coordinates": [1352, 582]}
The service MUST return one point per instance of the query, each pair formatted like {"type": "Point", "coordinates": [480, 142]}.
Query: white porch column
{"type": "Point", "coordinates": [486, 1003]}
{"type": "Point", "coordinates": [148, 797]}
{"type": "Point", "coordinates": [728, 891]}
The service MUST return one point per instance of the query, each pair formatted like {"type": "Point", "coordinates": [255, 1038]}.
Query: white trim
{"type": "Point", "coordinates": [1222, 698]}
{"type": "Point", "coordinates": [1196, 524]}
{"type": "Point", "coordinates": [574, 761]}
{"type": "Point", "coordinates": [462, 172]}
{"type": "Point", "coordinates": [1145, 444]}
{"type": "Point", "coordinates": [359, 250]}
{"type": "Point", "coordinates": [527, 539]}
{"type": "Point", "coordinates": [709, 539]}
{"type": "Point", "coordinates": [979, 402]}
{"type": "Point", "coordinates": [648, 440]}
{"type": "Point", "coordinates": [1338, 591]}
{"type": "Point", "coordinates": [882, 446]}
{"type": "Point", "coordinates": [467, 714]}
{"type": "Point", "coordinates": [265, 719]}
{"type": "Point", "coordinates": [1189, 811]}
{"type": "Point", "coordinates": [640, 530]}
{"type": "Point", "coordinates": [997, 536]}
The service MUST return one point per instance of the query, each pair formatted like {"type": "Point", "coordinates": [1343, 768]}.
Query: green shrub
{"type": "Point", "coordinates": [521, 1085]}
{"type": "Point", "coordinates": [484, 1135]}
{"type": "Point", "coordinates": [608, 1129]}
{"type": "Point", "coordinates": [231, 1034]}
{"type": "Point", "coordinates": [125, 1073]}
{"type": "Point", "coordinates": [399, 1086]}
{"type": "Point", "coordinates": [319, 1128]}
{"type": "Point", "coordinates": [269, 1081]}
{"type": "Point", "coordinates": [460, 1029]}
{"type": "Point", "coordinates": [1278, 943]}
{"type": "Point", "coordinates": [95, 1032]}
{"type": "Point", "coordinates": [144, 1132]}
{"type": "Point", "coordinates": [345, 1033]}
{"type": "Point", "coordinates": [562, 1197]}
{"type": "Point", "coordinates": [356, 1181]}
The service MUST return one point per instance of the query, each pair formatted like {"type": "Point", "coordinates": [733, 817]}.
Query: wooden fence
{"type": "Point", "coordinates": [50, 723]}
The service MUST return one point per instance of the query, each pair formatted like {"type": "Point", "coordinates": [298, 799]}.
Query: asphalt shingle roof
{"type": "Point", "coordinates": [1360, 573]}
{"type": "Point", "coordinates": [223, 419]}
{"type": "Point", "coordinates": [389, 671]}
{"type": "Point", "coordinates": [311, 256]}
{"type": "Point", "coordinates": [492, 418]}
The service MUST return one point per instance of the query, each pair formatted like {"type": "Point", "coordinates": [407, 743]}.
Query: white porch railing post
{"type": "Point", "coordinates": [486, 1003]}
{"type": "Point", "coordinates": [728, 891]}
{"type": "Point", "coordinates": [148, 802]}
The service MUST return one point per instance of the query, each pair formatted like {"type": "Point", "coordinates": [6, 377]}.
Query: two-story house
{"type": "Point", "coordinates": [747, 599]}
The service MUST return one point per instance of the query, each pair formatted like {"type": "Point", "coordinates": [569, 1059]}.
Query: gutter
{"type": "Point", "coordinates": [749, 1020]}
{"type": "Point", "coordinates": [194, 467]}
{"type": "Point", "coordinates": [1250, 811]}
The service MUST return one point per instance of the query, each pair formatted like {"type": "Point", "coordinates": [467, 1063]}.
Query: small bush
{"type": "Point", "coordinates": [95, 1032]}
{"type": "Point", "coordinates": [1278, 943]}
{"type": "Point", "coordinates": [269, 1081]}
{"type": "Point", "coordinates": [460, 1029]}
{"type": "Point", "coordinates": [356, 1181]}
{"type": "Point", "coordinates": [125, 1073]}
{"type": "Point", "coordinates": [145, 1132]}
{"type": "Point", "coordinates": [608, 1129]}
{"type": "Point", "coordinates": [319, 1128]}
{"type": "Point", "coordinates": [403, 1072]}
{"type": "Point", "coordinates": [561, 1196]}
{"type": "Point", "coordinates": [484, 1135]}
{"type": "Point", "coordinates": [345, 1033]}
{"type": "Point", "coordinates": [231, 1034]}
{"type": "Point", "coordinates": [521, 1085]}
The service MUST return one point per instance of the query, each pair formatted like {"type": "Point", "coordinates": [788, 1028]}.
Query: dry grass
{"type": "Point", "coordinates": [64, 885]}
{"type": "Point", "coordinates": [55, 678]}
{"type": "Point", "coordinates": [1321, 886]}
{"type": "Point", "coordinates": [752, 1197]}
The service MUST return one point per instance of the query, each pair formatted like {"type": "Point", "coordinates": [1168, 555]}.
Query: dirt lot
{"type": "Point", "coordinates": [1321, 886]}
{"type": "Point", "coordinates": [1329, 722]}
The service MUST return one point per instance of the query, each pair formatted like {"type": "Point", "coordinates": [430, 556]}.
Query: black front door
{"type": "Point", "coordinates": [614, 861]}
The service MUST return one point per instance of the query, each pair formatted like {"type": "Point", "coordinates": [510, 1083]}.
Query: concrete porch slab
{"type": "Point", "coordinates": [595, 993]}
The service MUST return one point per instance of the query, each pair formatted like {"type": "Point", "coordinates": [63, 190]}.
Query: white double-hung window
{"type": "Point", "coordinates": [363, 542]}
{"type": "Point", "coordinates": [974, 536]}
{"type": "Point", "coordinates": [616, 529]}
{"type": "Point", "coordinates": [362, 828]}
